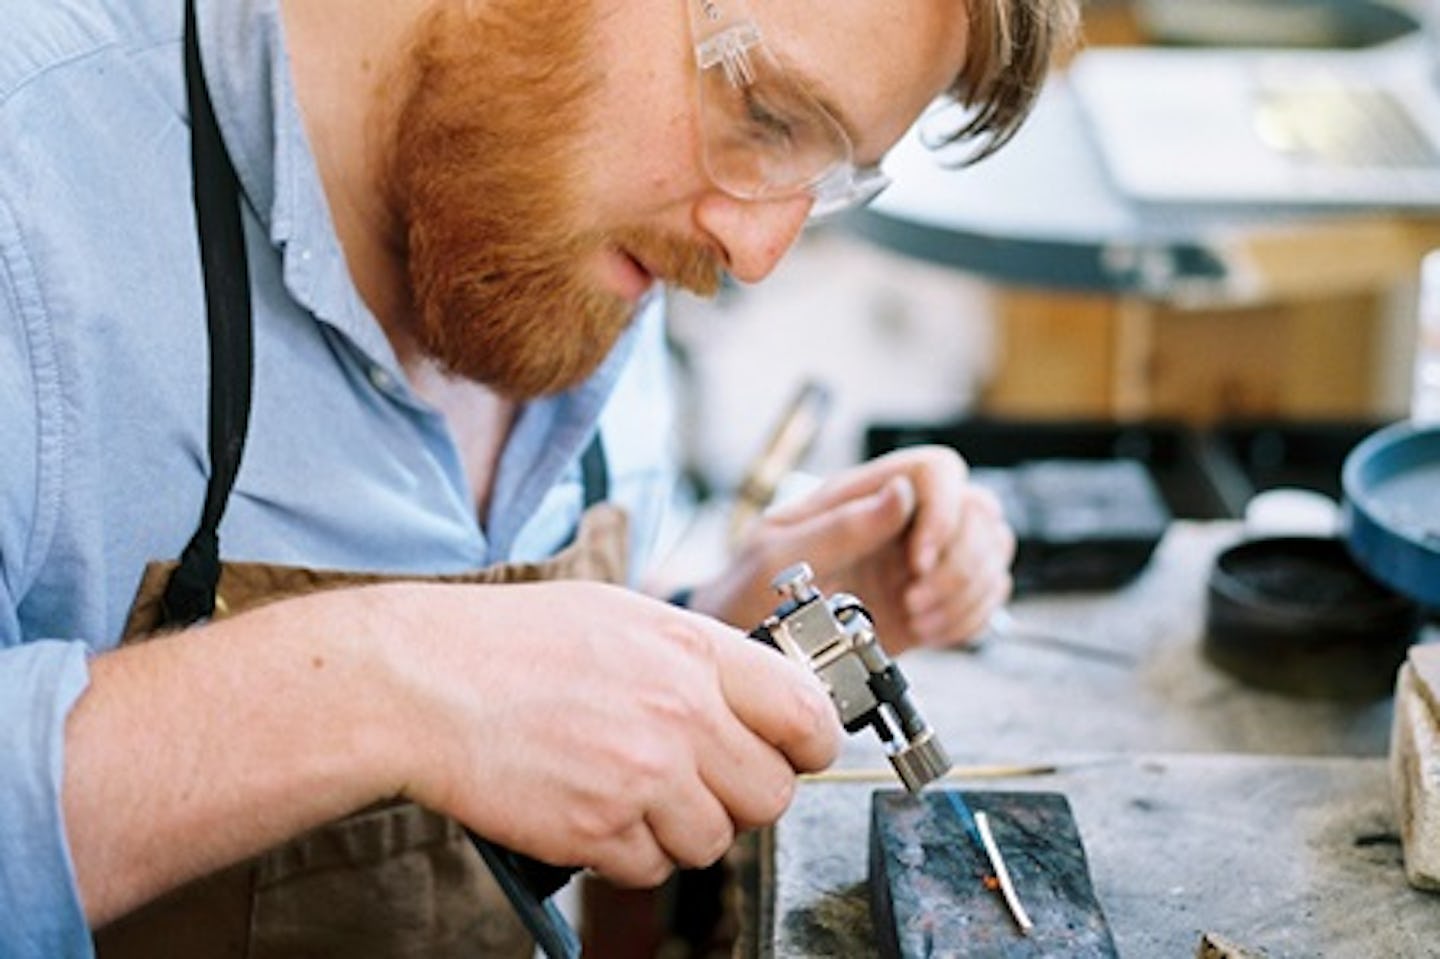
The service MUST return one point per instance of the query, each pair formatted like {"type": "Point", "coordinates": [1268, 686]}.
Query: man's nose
{"type": "Point", "coordinates": [754, 234]}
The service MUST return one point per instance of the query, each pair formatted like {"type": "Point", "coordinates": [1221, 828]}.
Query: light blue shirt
{"type": "Point", "coordinates": [103, 387]}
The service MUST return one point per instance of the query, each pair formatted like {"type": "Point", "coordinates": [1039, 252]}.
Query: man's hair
{"type": "Point", "coordinates": [1012, 43]}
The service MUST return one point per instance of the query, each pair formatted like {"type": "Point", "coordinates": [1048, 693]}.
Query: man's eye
{"type": "Point", "coordinates": [766, 124]}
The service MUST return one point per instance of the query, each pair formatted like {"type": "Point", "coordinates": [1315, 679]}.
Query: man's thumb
{"type": "Point", "coordinates": [861, 526]}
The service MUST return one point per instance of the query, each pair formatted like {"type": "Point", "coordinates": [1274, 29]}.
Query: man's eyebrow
{"type": "Point", "coordinates": [814, 88]}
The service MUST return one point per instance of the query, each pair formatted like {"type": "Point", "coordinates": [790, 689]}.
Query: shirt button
{"type": "Point", "coordinates": [380, 379]}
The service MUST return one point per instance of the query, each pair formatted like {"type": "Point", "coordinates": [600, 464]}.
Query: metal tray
{"type": "Point", "coordinates": [1391, 509]}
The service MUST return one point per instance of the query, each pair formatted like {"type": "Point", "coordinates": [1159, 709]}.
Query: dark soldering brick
{"type": "Point", "coordinates": [928, 894]}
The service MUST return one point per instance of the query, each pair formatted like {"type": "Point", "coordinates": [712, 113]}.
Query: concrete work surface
{"type": "Point", "coordinates": [1282, 856]}
{"type": "Point", "coordinates": [1204, 805]}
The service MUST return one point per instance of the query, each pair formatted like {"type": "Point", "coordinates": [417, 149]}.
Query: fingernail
{"type": "Point", "coordinates": [905, 491]}
{"type": "Point", "coordinates": [927, 557]}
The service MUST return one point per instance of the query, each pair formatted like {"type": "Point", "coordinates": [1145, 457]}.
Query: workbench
{"type": "Point", "coordinates": [1204, 805]}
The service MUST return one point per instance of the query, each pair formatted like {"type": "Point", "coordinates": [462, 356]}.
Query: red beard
{"type": "Point", "coordinates": [484, 176]}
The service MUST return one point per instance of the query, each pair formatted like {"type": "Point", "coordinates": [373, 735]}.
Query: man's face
{"type": "Point", "coordinates": [547, 164]}
{"type": "Point", "coordinates": [484, 175]}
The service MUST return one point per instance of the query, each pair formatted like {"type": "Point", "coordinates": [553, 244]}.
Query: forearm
{"type": "Point", "coordinates": [198, 749]}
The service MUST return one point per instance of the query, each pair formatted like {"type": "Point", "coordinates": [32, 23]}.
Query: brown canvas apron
{"type": "Point", "coordinates": [392, 880]}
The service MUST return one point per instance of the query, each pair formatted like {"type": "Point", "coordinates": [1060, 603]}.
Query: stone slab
{"type": "Point", "coordinates": [934, 891]}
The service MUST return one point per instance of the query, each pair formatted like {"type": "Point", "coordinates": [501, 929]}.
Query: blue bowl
{"type": "Point", "coordinates": [1391, 509]}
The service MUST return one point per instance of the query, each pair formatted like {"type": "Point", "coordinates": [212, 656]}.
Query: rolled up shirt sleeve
{"type": "Point", "coordinates": [40, 910]}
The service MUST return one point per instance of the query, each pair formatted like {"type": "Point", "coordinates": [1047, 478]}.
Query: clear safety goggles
{"type": "Point", "coordinates": [763, 136]}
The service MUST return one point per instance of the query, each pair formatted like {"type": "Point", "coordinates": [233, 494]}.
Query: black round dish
{"type": "Point", "coordinates": [1296, 615]}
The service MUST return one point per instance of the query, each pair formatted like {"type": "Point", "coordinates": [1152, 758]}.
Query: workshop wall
{"type": "Point", "coordinates": [891, 337]}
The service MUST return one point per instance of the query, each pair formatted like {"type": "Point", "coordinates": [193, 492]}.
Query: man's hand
{"type": "Point", "coordinates": [589, 725]}
{"type": "Point", "coordinates": [926, 551]}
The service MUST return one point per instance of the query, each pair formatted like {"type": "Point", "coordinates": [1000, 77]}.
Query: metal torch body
{"type": "Point", "coordinates": [835, 637]}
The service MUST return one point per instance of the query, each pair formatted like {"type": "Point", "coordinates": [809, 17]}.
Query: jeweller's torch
{"type": "Point", "coordinates": [835, 638]}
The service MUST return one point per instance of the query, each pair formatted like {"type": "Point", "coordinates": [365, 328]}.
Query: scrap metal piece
{"type": "Point", "coordinates": [1002, 874]}
{"type": "Point", "coordinates": [1213, 946]}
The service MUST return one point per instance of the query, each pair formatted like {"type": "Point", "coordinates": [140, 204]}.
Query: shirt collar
{"type": "Point", "coordinates": [248, 72]}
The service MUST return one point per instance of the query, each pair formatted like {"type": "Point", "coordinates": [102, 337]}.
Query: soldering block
{"type": "Point", "coordinates": [928, 891]}
{"type": "Point", "coordinates": [1415, 764]}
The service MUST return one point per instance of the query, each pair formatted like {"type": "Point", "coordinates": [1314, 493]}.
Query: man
{"type": "Point", "coordinates": [453, 214]}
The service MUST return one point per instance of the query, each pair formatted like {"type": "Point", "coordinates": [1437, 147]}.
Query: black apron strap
{"type": "Point", "coordinates": [190, 594]}
{"type": "Point", "coordinates": [594, 472]}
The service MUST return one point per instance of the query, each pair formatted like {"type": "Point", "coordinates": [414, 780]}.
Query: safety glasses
{"type": "Point", "coordinates": [763, 136]}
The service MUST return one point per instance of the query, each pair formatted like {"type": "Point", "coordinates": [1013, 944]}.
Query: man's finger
{"type": "Point", "coordinates": [940, 487]}
{"type": "Point", "coordinates": [692, 826]}
{"type": "Point", "coordinates": [864, 480]}
{"type": "Point", "coordinates": [781, 701]}
{"type": "Point", "coordinates": [633, 858]}
{"type": "Point", "coordinates": [854, 529]}
{"type": "Point", "coordinates": [937, 477]}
